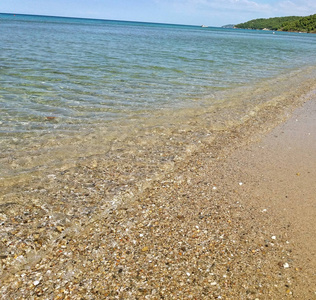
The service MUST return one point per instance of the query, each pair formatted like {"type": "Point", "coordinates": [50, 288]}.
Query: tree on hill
{"type": "Point", "coordinates": [303, 24]}
{"type": "Point", "coordinates": [271, 23]}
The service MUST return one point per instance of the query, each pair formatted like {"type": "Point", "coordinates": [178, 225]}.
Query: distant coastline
{"type": "Point", "coordinates": [290, 24]}
{"type": "Point", "coordinates": [229, 26]}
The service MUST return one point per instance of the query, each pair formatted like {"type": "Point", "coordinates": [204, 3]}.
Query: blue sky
{"type": "Point", "coordinates": [195, 12]}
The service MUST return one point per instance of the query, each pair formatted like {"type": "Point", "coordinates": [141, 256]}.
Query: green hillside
{"type": "Point", "coordinates": [305, 24]}
{"type": "Point", "coordinates": [271, 23]}
{"type": "Point", "coordinates": [293, 23]}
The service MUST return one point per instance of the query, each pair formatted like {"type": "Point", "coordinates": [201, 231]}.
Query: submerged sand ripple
{"type": "Point", "coordinates": [185, 230]}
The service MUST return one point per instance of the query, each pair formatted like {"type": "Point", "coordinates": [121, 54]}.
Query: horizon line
{"type": "Point", "coordinates": [98, 19]}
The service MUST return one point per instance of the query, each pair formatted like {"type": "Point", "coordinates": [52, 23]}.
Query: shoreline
{"type": "Point", "coordinates": [197, 229]}
{"type": "Point", "coordinates": [165, 137]}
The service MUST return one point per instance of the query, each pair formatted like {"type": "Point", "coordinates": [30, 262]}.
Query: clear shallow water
{"type": "Point", "coordinates": [62, 77]}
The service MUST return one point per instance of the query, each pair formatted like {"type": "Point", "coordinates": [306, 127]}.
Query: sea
{"type": "Point", "coordinates": [73, 88]}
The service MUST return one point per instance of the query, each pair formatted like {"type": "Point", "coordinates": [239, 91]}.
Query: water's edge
{"type": "Point", "coordinates": [152, 147]}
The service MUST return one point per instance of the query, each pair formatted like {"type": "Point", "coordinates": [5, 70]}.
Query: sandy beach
{"type": "Point", "coordinates": [280, 175]}
{"type": "Point", "coordinates": [234, 219]}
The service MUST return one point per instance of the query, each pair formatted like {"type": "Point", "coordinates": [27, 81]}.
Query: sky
{"type": "Point", "coordinates": [190, 12]}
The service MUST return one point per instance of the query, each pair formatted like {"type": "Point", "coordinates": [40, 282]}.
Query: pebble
{"type": "Point", "coordinates": [60, 229]}
{"type": "Point", "coordinates": [36, 282]}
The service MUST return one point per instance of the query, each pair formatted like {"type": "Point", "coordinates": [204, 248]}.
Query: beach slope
{"type": "Point", "coordinates": [234, 219]}
{"type": "Point", "coordinates": [280, 174]}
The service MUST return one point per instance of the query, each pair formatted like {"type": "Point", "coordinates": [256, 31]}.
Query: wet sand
{"type": "Point", "coordinates": [280, 175]}
{"type": "Point", "coordinates": [232, 219]}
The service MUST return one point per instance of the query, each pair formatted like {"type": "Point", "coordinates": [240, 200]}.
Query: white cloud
{"type": "Point", "coordinates": [286, 7]}
{"type": "Point", "coordinates": [297, 7]}
{"type": "Point", "coordinates": [237, 11]}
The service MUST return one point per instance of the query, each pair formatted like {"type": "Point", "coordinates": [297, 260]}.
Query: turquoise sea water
{"type": "Point", "coordinates": [63, 76]}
